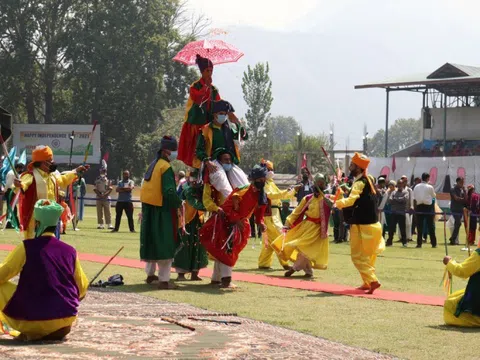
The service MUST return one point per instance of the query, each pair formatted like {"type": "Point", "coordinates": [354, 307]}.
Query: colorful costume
{"type": "Point", "coordinates": [190, 254]}
{"type": "Point", "coordinates": [224, 237]}
{"type": "Point", "coordinates": [360, 211]}
{"type": "Point", "coordinates": [273, 221]}
{"type": "Point", "coordinates": [219, 137]}
{"type": "Point", "coordinates": [474, 207]}
{"type": "Point", "coordinates": [462, 308]}
{"type": "Point", "coordinates": [44, 304]}
{"type": "Point", "coordinates": [66, 216]}
{"type": "Point", "coordinates": [306, 244]}
{"type": "Point", "coordinates": [159, 216]}
{"type": "Point", "coordinates": [198, 113]}
{"type": "Point", "coordinates": [38, 184]}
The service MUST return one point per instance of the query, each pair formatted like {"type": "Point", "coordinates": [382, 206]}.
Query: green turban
{"type": "Point", "coordinates": [47, 213]}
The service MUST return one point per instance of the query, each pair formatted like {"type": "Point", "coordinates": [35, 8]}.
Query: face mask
{"type": "Point", "coordinates": [173, 155]}
{"type": "Point", "coordinates": [259, 185]}
{"type": "Point", "coordinates": [270, 175]}
{"type": "Point", "coordinates": [52, 167]}
{"type": "Point", "coordinates": [227, 167]}
{"type": "Point", "coordinates": [221, 118]}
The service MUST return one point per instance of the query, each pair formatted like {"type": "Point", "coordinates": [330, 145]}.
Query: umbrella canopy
{"type": "Point", "coordinates": [217, 51]}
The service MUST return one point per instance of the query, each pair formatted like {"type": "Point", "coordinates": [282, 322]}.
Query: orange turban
{"type": "Point", "coordinates": [361, 161]}
{"type": "Point", "coordinates": [40, 153]}
{"type": "Point", "coordinates": [268, 164]}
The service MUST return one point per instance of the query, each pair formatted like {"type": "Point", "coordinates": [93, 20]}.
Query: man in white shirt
{"type": "Point", "coordinates": [408, 218]}
{"type": "Point", "coordinates": [424, 193]}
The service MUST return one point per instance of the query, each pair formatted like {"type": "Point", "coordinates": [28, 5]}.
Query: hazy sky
{"type": "Point", "coordinates": [319, 49]}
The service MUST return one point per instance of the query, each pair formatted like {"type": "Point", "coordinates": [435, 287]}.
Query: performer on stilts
{"type": "Point", "coordinates": [160, 203]}
{"type": "Point", "coordinates": [462, 308]}
{"type": "Point", "coordinates": [272, 218]}
{"type": "Point", "coordinates": [226, 234]}
{"type": "Point", "coordinates": [190, 254]}
{"type": "Point", "coordinates": [360, 211]}
{"type": "Point", "coordinates": [306, 242]}
{"type": "Point", "coordinates": [41, 181]}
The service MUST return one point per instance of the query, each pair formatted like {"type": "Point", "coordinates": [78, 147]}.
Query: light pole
{"type": "Point", "coordinates": [365, 143]}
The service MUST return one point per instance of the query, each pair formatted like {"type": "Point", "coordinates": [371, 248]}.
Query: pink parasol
{"type": "Point", "coordinates": [217, 51]}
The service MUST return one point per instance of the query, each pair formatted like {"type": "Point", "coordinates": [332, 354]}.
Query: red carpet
{"type": "Point", "coordinates": [283, 282]}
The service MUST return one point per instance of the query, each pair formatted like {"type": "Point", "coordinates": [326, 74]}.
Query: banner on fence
{"type": "Point", "coordinates": [28, 136]}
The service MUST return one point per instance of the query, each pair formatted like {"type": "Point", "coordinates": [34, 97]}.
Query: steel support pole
{"type": "Point", "coordinates": [444, 124]}
{"type": "Point", "coordinates": [386, 121]}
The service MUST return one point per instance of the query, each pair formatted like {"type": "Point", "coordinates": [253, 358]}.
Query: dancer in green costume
{"type": "Point", "coordinates": [160, 204]}
{"type": "Point", "coordinates": [190, 254]}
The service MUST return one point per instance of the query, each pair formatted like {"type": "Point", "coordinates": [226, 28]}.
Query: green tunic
{"type": "Point", "coordinates": [191, 255]}
{"type": "Point", "coordinates": [218, 141]}
{"type": "Point", "coordinates": [159, 223]}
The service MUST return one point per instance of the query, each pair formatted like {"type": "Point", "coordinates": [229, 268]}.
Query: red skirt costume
{"type": "Point", "coordinates": [198, 113]}
{"type": "Point", "coordinates": [219, 235]}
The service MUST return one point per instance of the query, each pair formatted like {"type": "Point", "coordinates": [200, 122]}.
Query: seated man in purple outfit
{"type": "Point", "coordinates": [44, 304]}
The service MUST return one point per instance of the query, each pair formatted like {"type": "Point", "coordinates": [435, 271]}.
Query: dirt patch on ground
{"type": "Point", "coordinates": [117, 325]}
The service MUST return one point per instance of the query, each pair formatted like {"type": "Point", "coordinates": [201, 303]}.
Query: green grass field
{"type": "Point", "coordinates": [404, 330]}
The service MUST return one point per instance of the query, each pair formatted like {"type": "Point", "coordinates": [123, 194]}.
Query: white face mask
{"type": "Point", "coordinates": [221, 118]}
{"type": "Point", "coordinates": [173, 155]}
{"type": "Point", "coordinates": [270, 175]}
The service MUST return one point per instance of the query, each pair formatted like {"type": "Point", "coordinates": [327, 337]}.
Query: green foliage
{"type": "Point", "coordinates": [403, 133]}
{"type": "Point", "coordinates": [257, 93]}
{"type": "Point", "coordinates": [74, 61]}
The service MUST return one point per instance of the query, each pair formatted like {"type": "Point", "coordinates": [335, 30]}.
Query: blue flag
{"type": "Point", "coordinates": [6, 164]}
{"type": "Point", "coordinates": [23, 158]}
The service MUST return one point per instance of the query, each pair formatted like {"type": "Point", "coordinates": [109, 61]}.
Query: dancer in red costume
{"type": "Point", "coordinates": [226, 233]}
{"type": "Point", "coordinates": [198, 112]}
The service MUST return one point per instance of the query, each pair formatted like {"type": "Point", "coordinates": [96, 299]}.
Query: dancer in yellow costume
{"type": "Point", "coordinates": [41, 182]}
{"type": "Point", "coordinates": [306, 244]}
{"type": "Point", "coordinates": [44, 304]}
{"type": "Point", "coordinates": [360, 211]}
{"type": "Point", "coordinates": [462, 308]}
{"type": "Point", "coordinates": [272, 218]}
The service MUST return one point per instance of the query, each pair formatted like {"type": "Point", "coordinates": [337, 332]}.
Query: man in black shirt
{"type": "Point", "coordinates": [458, 199]}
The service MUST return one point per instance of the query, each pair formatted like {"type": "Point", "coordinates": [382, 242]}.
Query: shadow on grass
{"type": "Point", "coordinates": [454, 329]}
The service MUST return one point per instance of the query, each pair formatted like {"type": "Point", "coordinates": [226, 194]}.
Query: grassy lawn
{"type": "Point", "coordinates": [404, 330]}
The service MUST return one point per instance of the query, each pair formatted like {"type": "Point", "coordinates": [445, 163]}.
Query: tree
{"type": "Point", "coordinates": [75, 61]}
{"type": "Point", "coordinates": [403, 133]}
{"type": "Point", "coordinates": [257, 93]}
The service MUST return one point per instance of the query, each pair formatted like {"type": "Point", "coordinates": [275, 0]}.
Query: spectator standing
{"type": "Point", "coordinates": [103, 189]}
{"type": "Point", "coordinates": [306, 187]}
{"type": "Point", "coordinates": [474, 207]}
{"type": "Point", "coordinates": [424, 193]}
{"type": "Point", "coordinates": [124, 202]}
{"type": "Point", "coordinates": [410, 207]}
{"type": "Point", "coordinates": [458, 200]}
{"type": "Point", "coordinates": [399, 200]}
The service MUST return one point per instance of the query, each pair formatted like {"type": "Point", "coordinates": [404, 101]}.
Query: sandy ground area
{"type": "Point", "coordinates": [117, 325]}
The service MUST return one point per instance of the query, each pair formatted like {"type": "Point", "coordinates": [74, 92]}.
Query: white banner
{"type": "Point", "coordinates": [28, 136]}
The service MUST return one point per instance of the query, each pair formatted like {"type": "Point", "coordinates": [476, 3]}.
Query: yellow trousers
{"type": "Point", "coordinates": [450, 307]}
{"type": "Point", "coordinates": [366, 242]}
{"type": "Point", "coordinates": [32, 330]}
{"type": "Point", "coordinates": [274, 227]}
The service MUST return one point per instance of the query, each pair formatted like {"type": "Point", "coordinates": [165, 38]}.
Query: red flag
{"type": "Point", "coordinates": [106, 156]}
{"type": "Point", "coordinates": [394, 165]}
{"type": "Point", "coordinates": [304, 161]}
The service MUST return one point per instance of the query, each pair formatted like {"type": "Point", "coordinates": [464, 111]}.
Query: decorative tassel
{"type": "Point", "coordinates": [447, 282]}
